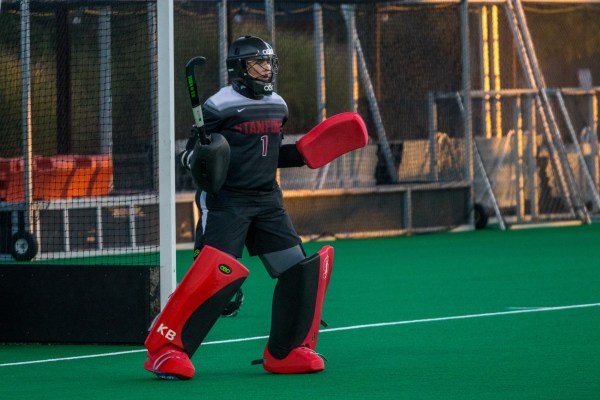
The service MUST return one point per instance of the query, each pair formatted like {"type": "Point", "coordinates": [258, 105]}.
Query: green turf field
{"type": "Point", "coordinates": [475, 315]}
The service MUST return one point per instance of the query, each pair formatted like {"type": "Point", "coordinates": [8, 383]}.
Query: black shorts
{"type": "Point", "coordinates": [231, 220]}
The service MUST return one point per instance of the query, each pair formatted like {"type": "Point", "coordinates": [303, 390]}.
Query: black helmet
{"type": "Point", "coordinates": [251, 48]}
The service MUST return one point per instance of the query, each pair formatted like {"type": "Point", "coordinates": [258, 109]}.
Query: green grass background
{"type": "Point", "coordinates": [533, 355]}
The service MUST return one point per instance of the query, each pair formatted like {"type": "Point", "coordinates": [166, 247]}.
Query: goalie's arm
{"type": "Point", "coordinates": [289, 156]}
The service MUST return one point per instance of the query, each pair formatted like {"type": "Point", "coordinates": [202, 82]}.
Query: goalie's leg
{"type": "Point", "coordinates": [296, 317]}
{"type": "Point", "coordinates": [190, 313]}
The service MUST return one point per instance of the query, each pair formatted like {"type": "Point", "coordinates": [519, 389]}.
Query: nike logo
{"type": "Point", "coordinates": [240, 109]}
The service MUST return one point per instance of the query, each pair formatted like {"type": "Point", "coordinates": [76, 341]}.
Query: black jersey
{"type": "Point", "coordinates": [253, 130]}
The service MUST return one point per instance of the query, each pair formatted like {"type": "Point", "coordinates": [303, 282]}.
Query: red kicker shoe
{"type": "Point", "coordinates": [301, 360]}
{"type": "Point", "coordinates": [170, 363]}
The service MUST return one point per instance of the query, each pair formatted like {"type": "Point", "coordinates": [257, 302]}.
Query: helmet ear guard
{"type": "Point", "coordinates": [247, 48]}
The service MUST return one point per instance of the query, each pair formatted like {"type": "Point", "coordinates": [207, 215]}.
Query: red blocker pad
{"type": "Point", "coordinates": [198, 301]}
{"type": "Point", "coordinates": [332, 138]}
{"type": "Point", "coordinates": [325, 267]}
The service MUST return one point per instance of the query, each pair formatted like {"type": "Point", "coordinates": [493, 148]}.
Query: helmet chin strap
{"type": "Point", "coordinates": [257, 85]}
{"type": "Point", "coordinates": [243, 88]}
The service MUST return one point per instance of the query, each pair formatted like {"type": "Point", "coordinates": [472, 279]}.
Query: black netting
{"type": "Point", "coordinates": [90, 141]}
{"type": "Point", "coordinates": [87, 128]}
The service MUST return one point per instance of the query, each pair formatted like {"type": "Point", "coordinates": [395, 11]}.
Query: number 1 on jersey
{"type": "Point", "coordinates": [265, 143]}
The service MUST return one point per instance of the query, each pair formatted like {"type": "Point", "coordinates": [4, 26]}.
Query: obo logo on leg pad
{"type": "Point", "coordinates": [225, 269]}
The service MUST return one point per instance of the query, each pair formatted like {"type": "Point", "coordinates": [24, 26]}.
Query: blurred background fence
{"type": "Point", "coordinates": [475, 110]}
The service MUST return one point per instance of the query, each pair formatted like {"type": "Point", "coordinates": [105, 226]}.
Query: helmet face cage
{"type": "Point", "coordinates": [272, 60]}
{"type": "Point", "coordinates": [249, 48]}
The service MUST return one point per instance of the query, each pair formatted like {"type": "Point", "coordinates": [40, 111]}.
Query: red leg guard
{"type": "Point", "coordinates": [325, 265]}
{"type": "Point", "coordinates": [298, 304]}
{"type": "Point", "coordinates": [197, 303]}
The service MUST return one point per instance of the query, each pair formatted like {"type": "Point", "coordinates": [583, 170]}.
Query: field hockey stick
{"type": "Point", "coordinates": [194, 96]}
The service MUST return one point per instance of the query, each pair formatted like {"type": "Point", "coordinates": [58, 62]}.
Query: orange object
{"type": "Point", "coordinates": [53, 177]}
{"type": "Point", "coordinates": [101, 180]}
{"type": "Point", "coordinates": [11, 179]}
{"type": "Point", "coordinates": [59, 177]}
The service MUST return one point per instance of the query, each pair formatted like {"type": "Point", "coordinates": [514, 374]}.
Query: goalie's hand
{"type": "Point", "coordinates": [201, 135]}
{"type": "Point", "coordinates": [185, 156]}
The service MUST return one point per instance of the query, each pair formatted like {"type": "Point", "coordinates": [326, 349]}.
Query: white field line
{"type": "Point", "coordinates": [512, 310]}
